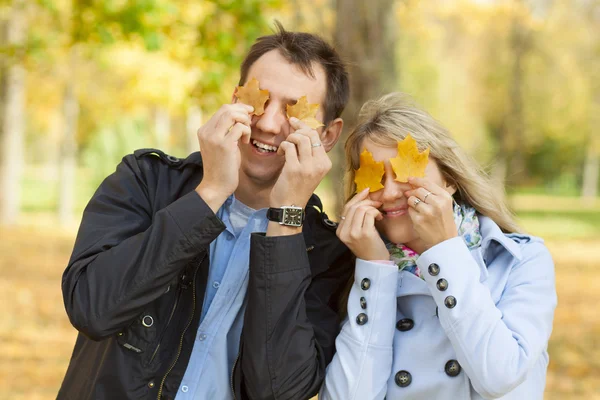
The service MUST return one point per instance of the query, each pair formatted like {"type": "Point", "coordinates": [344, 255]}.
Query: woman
{"type": "Point", "coordinates": [464, 309]}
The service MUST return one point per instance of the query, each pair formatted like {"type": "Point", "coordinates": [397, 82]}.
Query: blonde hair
{"type": "Point", "coordinates": [388, 119]}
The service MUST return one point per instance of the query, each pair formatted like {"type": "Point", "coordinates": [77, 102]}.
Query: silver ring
{"type": "Point", "coordinates": [425, 198]}
{"type": "Point", "coordinates": [417, 201]}
{"type": "Point", "coordinates": [316, 145]}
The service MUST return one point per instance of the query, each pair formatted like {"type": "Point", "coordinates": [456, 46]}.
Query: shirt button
{"type": "Point", "coordinates": [216, 284]}
{"type": "Point", "coordinates": [202, 337]}
{"type": "Point", "coordinates": [362, 319]}
{"type": "Point", "coordinates": [151, 384]}
{"type": "Point", "coordinates": [363, 303]}
{"type": "Point", "coordinates": [184, 389]}
{"type": "Point", "coordinates": [365, 284]}
{"type": "Point", "coordinates": [450, 302]}
{"type": "Point", "coordinates": [442, 284]}
{"type": "Point", "coordinates": [405, 324]}
{"type": "Point", "coordinates": [452, 368]}
{"type": "Point", "coordinates": [434, 269]}
{"type": "Point", "coordinates": [403, 378]}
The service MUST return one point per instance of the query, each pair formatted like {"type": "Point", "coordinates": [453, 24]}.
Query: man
{"type": "Point", "coordinates": [175, 291]}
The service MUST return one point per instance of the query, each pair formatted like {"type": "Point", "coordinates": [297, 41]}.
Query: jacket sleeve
{"type": "Point", "coordinates": [291, 320]}
{"type": "Point", "coordinates": [499, 344]}
{"type": "Point", "coordinates": [125, 255]}
{"type": "Point", "coordinates": [363, 362]}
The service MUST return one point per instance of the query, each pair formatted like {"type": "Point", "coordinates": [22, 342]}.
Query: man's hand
{"type": "Point", "coordinates": [218, 140]}
{"type": "Point", "coordinates": [306, 164]}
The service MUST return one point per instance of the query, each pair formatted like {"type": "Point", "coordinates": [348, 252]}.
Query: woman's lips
{"type": "Point", "coordinates": [394, 212]}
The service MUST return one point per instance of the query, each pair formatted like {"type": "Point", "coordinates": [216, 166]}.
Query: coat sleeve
{"type": "Point", "coordinates": [498, 345]}
{"type": "Point", "coordinates": [125, 256]}
{"type": "Point", "coordinates": [291, 320]}
{"type": "Point", "coordinates": [363, 361]}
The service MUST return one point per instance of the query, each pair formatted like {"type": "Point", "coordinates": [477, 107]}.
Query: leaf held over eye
{"type": "Point", "coordinates": [409, 161]}
{"type": "Point", "coordinates": [251, 95]}
{"type": "Point", "coordinates": [369, 174]}
{"type": "Point", "coordinates": [304, 112]}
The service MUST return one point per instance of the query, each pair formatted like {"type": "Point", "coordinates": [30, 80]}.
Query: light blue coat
{"type": "Point", "coordinates": [497, 331]}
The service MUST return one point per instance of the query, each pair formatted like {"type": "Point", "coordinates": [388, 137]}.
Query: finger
{"type": "Point", "coordinates": [239, 131]}
{"type": "Point", "coordinates": [370, 217]}
{"type": "Point", "coordinates": [302, 143]}
{"type": "Point", "coordinates": [315, 139]}
{"type": "Point", "coordinates": [420, 192]}
{"type": "Point", "coordinates": [297, 124]}
{"type": "Point", "coordinates": [243, 106]}
{"type": "Point", "coordinates": [230, 118]}
{"type": "Point", "coordinates": [360, 196]}
{"type": "Point", "coordinates": [418, 205]}
{"type": "Point", "coordinates": [358, 219]}
{"type": "Point", "coordinates": [365, 202]}
{"type": "Point", "coordinates": [427, 184]}
{"type": "Point", "coordinates": [289, 150]}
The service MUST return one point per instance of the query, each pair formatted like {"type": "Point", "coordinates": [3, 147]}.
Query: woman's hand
{"type": "Point", "coordinates": [357, 228]}
{"type": "Point", "coordinates": [431, 211]}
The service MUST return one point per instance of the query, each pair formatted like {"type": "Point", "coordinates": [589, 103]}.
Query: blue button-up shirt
{"type": "Point", "coordinates": [217, 342]}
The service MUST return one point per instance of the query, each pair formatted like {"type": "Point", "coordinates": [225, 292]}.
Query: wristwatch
{"type": "Point", "coordinates": [287, 215]}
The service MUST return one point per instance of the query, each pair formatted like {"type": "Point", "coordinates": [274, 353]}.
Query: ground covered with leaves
{"type": "Point", "coordinates": [36, 338]}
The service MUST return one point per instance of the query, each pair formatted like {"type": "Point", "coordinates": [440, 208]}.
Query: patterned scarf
{"type": "Point", "coordinates": [467, 224]}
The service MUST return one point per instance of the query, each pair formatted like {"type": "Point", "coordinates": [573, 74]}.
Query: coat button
{"type": "Point", "coordinates": [434, 269]}
{"type": "Point", "coordinates": [151, 384]}
{"type": "Point", "coordinates": [442, 284]}
{"type": "Point", "coordinates": [365, 284]}
{"type": "Point", "coordinates": [147, 321]}
{"type": "Point", "coordinates": [403, 378]}
{"type": "Point", "coordinates": [362, 319]}
{"type": "Point", "coordinates": [363, 303]}
{"type": "Point", "coordinates": [405, 324]}
{"type": "Point", "coordinates": [452, 368]}
{"type": "Point", "coordinates": [450, 302]}
{"type": "Point", "coordinates": [174, 160]}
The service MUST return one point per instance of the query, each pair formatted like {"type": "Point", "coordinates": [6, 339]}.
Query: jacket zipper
{"type": "Point", "coordinates": [233, 369]}
{"type": "Point", "coordinates": [180, 347]}
{"type": "Point", "coordinates": [168, 322]}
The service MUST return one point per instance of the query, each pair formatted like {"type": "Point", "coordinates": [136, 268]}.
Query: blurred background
{"type": "Point", "coordinates": [85, 82]}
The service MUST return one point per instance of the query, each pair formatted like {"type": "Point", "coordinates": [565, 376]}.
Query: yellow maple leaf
{"type": "Point", "coordinates": [304, 112]}
{"type": "Point", "coordinates": [251, 94]}
{"type": "Point", "coordinates": [409, 161]}
{"type": "Point", "coordinates": [369, 174]}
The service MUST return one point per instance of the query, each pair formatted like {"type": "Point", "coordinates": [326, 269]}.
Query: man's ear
{"type": "Point", "coordinates": [331, 134]}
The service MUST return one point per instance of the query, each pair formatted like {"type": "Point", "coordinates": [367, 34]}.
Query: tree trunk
{"type": "Point", "coordinates": [365, 36]}
{"type": "Point", "coordinates": [193, 123]}
{"type": "Point", "coordinates": [13, 116]}
{"type": "Point", "coordinates": [68, 150]}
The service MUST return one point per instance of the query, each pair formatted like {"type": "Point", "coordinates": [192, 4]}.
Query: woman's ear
{"type": "Point", "coordinates": [331, 134]}
{"type": "Point", "coordinates": [450, 188]}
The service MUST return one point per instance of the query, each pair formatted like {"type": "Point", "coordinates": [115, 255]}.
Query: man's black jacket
{"type": "Point", "coordinates": [135, 284]}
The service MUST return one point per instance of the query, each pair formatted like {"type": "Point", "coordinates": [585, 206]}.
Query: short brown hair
{"type": "Point", "coordinates": [302, 49]}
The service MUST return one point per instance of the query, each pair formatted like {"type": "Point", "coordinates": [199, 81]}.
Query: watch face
{"type": "Point", "coordinates": [292, 216]}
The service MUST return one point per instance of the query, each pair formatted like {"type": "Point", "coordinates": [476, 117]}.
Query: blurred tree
{"type": "Point", "coordinates": [13, 25]}
{"type": "Point", "coordinates": [365, 36]}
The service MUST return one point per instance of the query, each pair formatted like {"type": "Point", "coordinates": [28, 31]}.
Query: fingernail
{"type": "Point", "coordinates": [294, 119]}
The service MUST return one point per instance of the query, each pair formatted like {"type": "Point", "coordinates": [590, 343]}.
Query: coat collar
{"type": "Point", "coordinates": [491, 232]}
